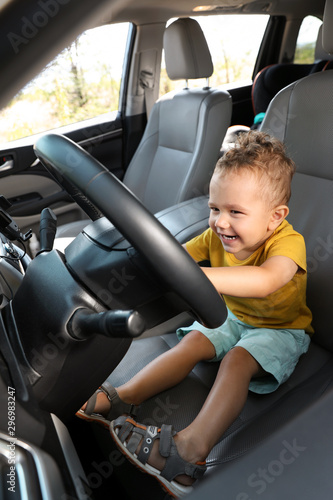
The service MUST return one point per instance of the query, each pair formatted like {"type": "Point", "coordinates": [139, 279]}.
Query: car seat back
{"type": "Point", "coordinates": [181, 143]}
{"type": "Point", "coordinates": [302, 116]}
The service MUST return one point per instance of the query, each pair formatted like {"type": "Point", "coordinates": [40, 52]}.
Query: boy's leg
{"type": "Point", "coordinates": [222, 406]}
{"type": "Point", "coordinates": [164, 372]}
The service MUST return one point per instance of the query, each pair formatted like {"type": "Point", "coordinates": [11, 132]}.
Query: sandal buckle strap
{"type": "Point", "coordinates": [117, 405]}
{"type": "Point", "coordinates": [175, 464]}
{"type": "Point", "coordinates": [152, 432]}
{"type": "Point", "coordinates": [166, 440]}
{"type": "Point", "coordinates": [109, 391]}
{"type": "Point", "coordinates": [90, 406]}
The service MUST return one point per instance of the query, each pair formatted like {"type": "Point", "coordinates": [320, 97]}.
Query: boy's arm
{"type": "Point", "coordinates": [253, 281]}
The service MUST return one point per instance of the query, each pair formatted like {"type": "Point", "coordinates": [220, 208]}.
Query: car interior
{"type": "Point", "coordinates": [104, 296]}
{"type": "Point", "coordinates": [177, 153]}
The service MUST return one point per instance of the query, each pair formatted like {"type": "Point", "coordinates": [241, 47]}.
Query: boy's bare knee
{"type": "Point", "coordinates": [240, 357]}
{"type": "Point", "coordinates": [197, 341]}
{"type": "Point", "coordinates": [195, 336]}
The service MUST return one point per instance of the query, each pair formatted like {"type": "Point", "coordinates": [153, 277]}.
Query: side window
{"type": "Point", "coordinates": [233, 61]}
{"type": "Point", "coordinates": [82, 82]}
{"type": "Point", "coordinates": [306, 40]}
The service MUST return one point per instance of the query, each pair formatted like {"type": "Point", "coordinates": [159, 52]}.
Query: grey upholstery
{"type": "Point", "coordinates": [181, 143]}
{"type": "Point", "coordinates": [302, 116]}
{"type": "Point", "coordinates": [321, 54]}
{"type": "Point", "coordinates": [327, 27]}
{"type": "Point", "coordinates": [305, 125]}
{"type": "Point", "coordinates": [187, 54]}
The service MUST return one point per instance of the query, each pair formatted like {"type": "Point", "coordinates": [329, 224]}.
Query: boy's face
{"type": "Point", "coordinates": [239, 215]}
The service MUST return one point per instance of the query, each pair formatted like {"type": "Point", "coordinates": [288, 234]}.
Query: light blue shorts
{"type": "Point", "coordinates": [277, 351]}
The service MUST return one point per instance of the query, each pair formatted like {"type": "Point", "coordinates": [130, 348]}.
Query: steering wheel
{"type": "Point", "coordinates": [69, 163]}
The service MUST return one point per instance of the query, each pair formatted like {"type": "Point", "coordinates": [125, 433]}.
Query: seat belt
{"type": "Point", "coordinates": [147, 83]}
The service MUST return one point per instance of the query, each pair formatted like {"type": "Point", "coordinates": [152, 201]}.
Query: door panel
{"type": "Point", "coordinates": [29, 194]}
{"type": "Point", "coordinates": [28, 186]}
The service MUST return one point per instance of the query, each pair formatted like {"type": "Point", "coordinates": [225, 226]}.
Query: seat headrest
{"type": "Point", "coordinates": [320, 52]}
{"type": "Point", "coordinates": [327, 27]}
{"type": "Point", "coordinates": [187, 54]}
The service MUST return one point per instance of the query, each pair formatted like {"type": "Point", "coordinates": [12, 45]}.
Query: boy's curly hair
{"type": "Point", "coordinates": [266, 157]}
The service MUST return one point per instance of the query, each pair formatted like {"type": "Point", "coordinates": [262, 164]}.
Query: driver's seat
{"type": "Point", "coordinates": [184, 133]}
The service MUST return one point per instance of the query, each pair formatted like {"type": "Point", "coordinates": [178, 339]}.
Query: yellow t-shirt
{"type": "Point", "coordinates": [284, 308]}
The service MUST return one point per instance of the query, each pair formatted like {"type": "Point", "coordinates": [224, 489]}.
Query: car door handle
{"type": "Point", "coordinates": [8, 165]}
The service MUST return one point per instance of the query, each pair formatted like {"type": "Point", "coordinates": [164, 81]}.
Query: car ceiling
{"type": "Point", "coordinates": [31, 50]}
{"type": "Point", "coordinates": [152, 11]}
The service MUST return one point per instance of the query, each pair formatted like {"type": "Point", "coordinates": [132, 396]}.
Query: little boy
{"type": "Point", "coordinates": [258, 263]}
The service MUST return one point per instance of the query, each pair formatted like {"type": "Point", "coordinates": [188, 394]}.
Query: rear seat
{"type": "Point", "coordinates": [273, 78]}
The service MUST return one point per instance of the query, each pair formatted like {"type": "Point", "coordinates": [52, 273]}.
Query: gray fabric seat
{"type": "Point", "coordinates": [183, 136]}
{"type": "Point", "coordinates": [302, 116]}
